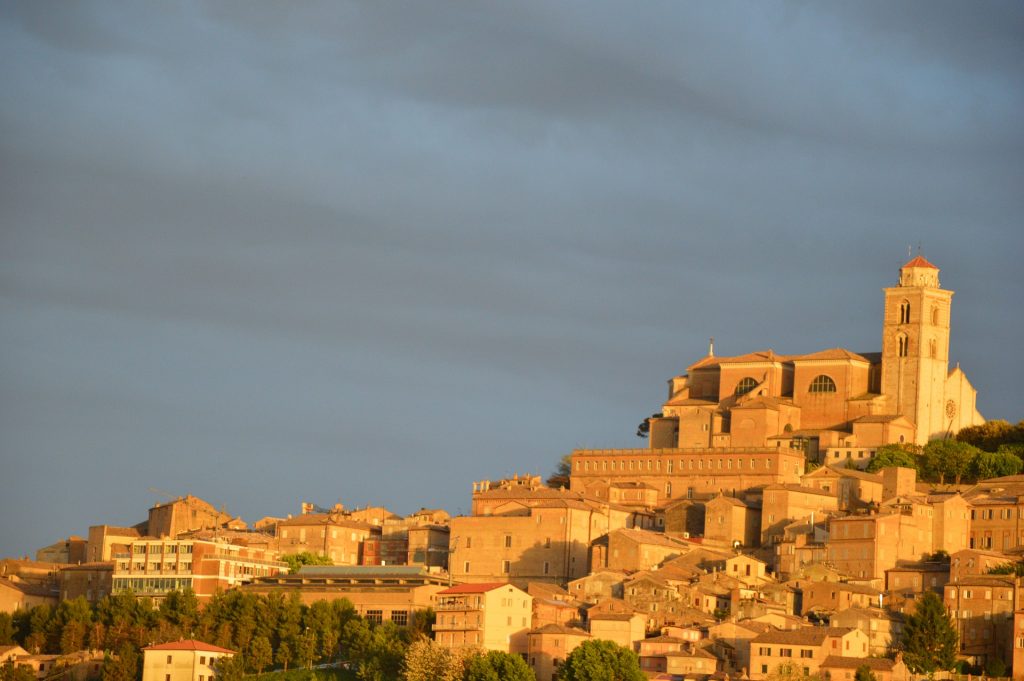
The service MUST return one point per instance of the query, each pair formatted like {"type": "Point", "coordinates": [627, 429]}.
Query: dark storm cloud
{"type": "Point", "coordinates": [375, 251]}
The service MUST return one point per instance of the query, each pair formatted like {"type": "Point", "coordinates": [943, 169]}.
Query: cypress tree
{"type": "Point", "coordinates": [929, 638]}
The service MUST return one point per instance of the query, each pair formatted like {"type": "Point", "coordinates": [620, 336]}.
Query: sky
{"type": "Point", "coordinates": [267, 253]}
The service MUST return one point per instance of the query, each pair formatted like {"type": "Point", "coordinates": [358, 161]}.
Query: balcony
{"type": "Point", "coordinates": [458, 626]}
{"type": "Point", "coordinates": [448, 604]}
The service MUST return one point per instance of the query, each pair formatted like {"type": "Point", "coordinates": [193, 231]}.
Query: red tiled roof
{"type": "Point", "coordinates": [833, 353]}
{"type": "Point", "coordinates": [874, 663]}
{"type": "Point", "coordinates": [919, 261]}
{"type": "Point", "coordinates": [190, 644]}
{"type": "Point", "coordinates": [481, 588]}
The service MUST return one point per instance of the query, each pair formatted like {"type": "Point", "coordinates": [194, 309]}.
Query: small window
{"type": "Point", "coordinates": [822, 384]}
{"type": "Point", "coordinates": [745, 385]}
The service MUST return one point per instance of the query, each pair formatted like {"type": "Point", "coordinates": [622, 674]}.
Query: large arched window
{"type": "Point", "coordinates": [822, 384]}
{"type": "Point", "coordinates": [745, 386]}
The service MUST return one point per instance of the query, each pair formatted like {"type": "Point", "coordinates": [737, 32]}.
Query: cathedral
{"type": "Point", "coordinates": [836, 405]}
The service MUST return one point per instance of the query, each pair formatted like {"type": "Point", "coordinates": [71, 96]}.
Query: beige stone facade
{"type": "Point", "coordinates": [784, 504]}
{"type": "Point", "coordinates": [549, 645]}
{"type": "Point", "coordinates": [378, 593]}
{"type": "Point", "coordinates": [806, 648]}
{"type": "Point", "coordinates": [325, 534]}
{"type": "Point", "coordinates": [982, 608]}
{"type": "Point", "coordinates": [730, 521]}
{"type": "Point", "coordinates": [835, 404]}
{"type": "Point", "coordinates": [182, 515]}
{"type": "Point", "coordinates": [489, 616]}
{"type": "Point", "coordinates": [182, 661]}
{"type": "Point", "coordinates": [93, 581]}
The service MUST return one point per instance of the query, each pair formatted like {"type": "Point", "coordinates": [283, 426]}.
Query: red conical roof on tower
{"type": "Point", "coordinates": [919, 261]}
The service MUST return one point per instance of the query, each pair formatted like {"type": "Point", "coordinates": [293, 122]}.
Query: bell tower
{"type": "Point", "coordinates": [915, 348]}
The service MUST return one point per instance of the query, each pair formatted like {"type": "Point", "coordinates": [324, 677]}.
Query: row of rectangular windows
{"type": "Point", "coordinates": [655, 464]}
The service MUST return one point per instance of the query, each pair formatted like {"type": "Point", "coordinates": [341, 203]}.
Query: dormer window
{"type": "Point", "coordinates": [822, 384]}
{"type": "Point", "coordinates": [745, 386]}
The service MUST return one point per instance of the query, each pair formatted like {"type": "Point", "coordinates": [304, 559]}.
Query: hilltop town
{"type": "Point", "coordinates": [787, 517]}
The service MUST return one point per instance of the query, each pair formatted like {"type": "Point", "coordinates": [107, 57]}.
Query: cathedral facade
{"type": "Point", "coordinates": [835, 406]}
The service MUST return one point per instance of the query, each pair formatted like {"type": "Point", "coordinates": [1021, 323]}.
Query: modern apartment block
{"type": "Point", "coordinates": [494, 616]}
{"type": "Point", "coordinates": [154, 567]}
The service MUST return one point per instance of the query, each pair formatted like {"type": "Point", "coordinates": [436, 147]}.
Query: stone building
{"type": "Point", "coordinates": [549, 645]}
{"type": "Point", "coordinates": [982, 608]}
{"type": "Point", "coordinates": [326, 534]}
{"type": "Point", "coordinates": [93, 581]}
{"type": "Point", "coordinates": [378, 593]}
{"type": "Point", "coordinates": [155, 567]}
{"type": "Point", "coordinates": [490, 616]}
{"type": "Point", "coordinates": [729, 521]}
{"type": "Point", "coordinates": [806, 648]}
{"type": "Point", "coordinates": [732, 423]}
{"type": "Point", "coordinates": [182, 661]}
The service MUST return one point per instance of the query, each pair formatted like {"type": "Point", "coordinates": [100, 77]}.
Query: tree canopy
{"type": "Point", "coordinates": [991, 435]}
{"type": "Point", "coordinates": [949, 458]}
{"type": "Point", "coordinates": [560, 478]}
{"type": "Point", "coordinates": [929, 637]}
{"type": "Point", "coordinates": [597, 660]}
{"type": "Point", "coordinates": [497, 666]}
{"type": "Point", "coordinates": [996, 464]}
{"type": "Point", "coordinates": [905, 456]}
{"type": "Point", "coordinates": [297, 560]}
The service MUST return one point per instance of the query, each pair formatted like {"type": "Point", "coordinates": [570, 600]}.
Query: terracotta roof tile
{"type": "Point", "coordinates": [190, 644]}
{"type": "Point", "coordinates": [805, 636]}
{"type": "Point", "coordinates": [481, 588]}
{"type": "Point", "coordinates": [919, 261]}
{"type": "Point", "coordinates": [833, 353]}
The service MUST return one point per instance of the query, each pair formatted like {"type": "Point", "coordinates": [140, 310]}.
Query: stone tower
{"type": "Point", "coordinates": [915, 348]}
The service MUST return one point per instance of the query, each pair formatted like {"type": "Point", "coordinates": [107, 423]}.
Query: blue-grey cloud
{"type": "Point", "coordinates": [266, 252]}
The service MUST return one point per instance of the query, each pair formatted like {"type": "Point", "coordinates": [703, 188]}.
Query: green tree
{"type": "Point", "coordinates": [260, 654]}
{"type": "Point", "coordinates": [995, 667]}
{"type": "Point", "coordinates": [426, 660]}
{"type": "Point", "coordinates": [644, 429]}
{"type": "Point", "coordinates": [929, 637]}
{"type": "Point", "coordinates": [864, 673]}
{"type": "Point", "coordinates": [6, 629]}
{"type": "Point", "coordinates": [229, 668]}
{"type": "Point", "coordinates": [1008, 568]}
{"type": "Point", "coordinates": [895, 455]}
{"type": "Point", "coordinates": [297, 560]}
{"type": "Point", "coordinates": [990, 435]}
{"type": "Point", "coordinates": [950, 458]}
{"type": "Point", "coordinates": [181, 609]}
{"type": "Point", "coordinates": [498, 666]}
{"type": "Point", "coordinates": [283, 656]}
{"type": "Point", "coordinates": [421, 622]}
{"type": "Point", "coordinates": [996, 465]}
{"type": "Point", "coordinates": [11, 672]}
{"type": "Point", "coordinates": [377, 651]}
{"type": "Point", "coordinates": [305, 648]}
{"type": "Point", "coordinates": [788, 671]}
{"type": "Point", "coordinates": [560, 478]}
{"type": "Point", "coordinates": [601, 661]}
{"type": "Point", "coordinates": [124, 666]}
